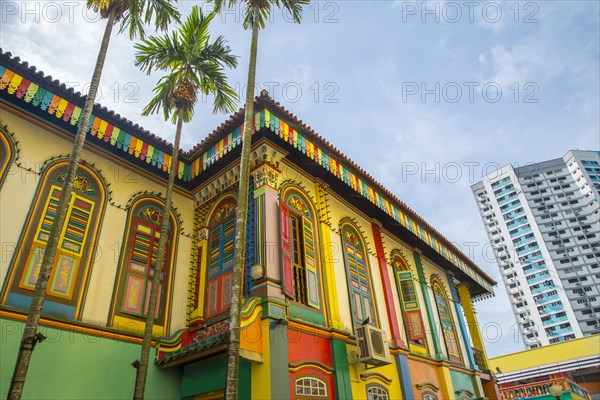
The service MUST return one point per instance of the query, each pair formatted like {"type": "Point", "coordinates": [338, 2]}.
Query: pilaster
{"type": "Point", "coordinates": [396, 338]}
{"type": "Point", "coordinates": [461, 322]}
{"type": "Point", "coordinates": [432, 325]}
{"type": "Point", "coordinates": [265, 170]}
{"type": "Point", "coordinates": [469, 309]}
{"type": "Point", "coordinates": [328, 263]}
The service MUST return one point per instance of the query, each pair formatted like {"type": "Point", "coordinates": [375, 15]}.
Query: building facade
{"type": "Point", "coordinates": [542, 221]}
{"type": "Point", "coordinates": [348, 292]}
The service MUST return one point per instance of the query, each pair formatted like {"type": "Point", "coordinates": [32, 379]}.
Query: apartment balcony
{"type": "Point", "coordinates": [528, 269]}
{"type": "Point", "coordinates": [541, 289]}
{"type": "Point", "coordinates": [531, 259]}
{"type": "Point", "coordinates": [513, 214]}
{"type": "Point", "coordinates": [538, 278]}
{"type": "Point", "coordinates": [507, 199]}
{"type": "Point", "coordinates": [504, 190]}
{"type": "Point", "coordinates": [522, 240]}
{"type": "Point", "coordinates": [555, 320]}
{"type": "Point", "coordinates": [521, 231]}
{"type": "Point", "coordinates": [511, 207]}
{"type": "Point", "coordinates": [541, 391]}
{"type": "Point", "coordinates": [559, 332]}
{"type": "Point", "coordinates": [546, 298]}
{"type": "Point", "coordinates": [527, 250]}
{"type": "Point", "coordinates": [551, 309]}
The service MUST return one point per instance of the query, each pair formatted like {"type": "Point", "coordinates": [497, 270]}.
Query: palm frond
{"type": "Point", "coordinates": [134, 15]}
{"type": "Point", "coordinates": [194, 65]}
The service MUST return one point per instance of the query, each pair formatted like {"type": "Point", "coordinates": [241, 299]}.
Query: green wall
{"type": "Point", "coordinates": [70, 365]}
{"type": "Point", "coordinates": [208, 375]}
{"type": "Point", "coordinates": [462, 381]}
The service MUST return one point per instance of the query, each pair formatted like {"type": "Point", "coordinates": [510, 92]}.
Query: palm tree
{"type": "Point", "coordinates": [194, 65]}
{"type": "Point", "coordinates": [132, 16]}
{"type": "Point", "coordinates": [256, 13]}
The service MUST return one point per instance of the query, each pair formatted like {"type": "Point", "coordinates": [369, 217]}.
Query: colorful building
{"type": "Point", "coordinates": [348, 292]}
{"type": "Point", "coordinates": [573, 366]}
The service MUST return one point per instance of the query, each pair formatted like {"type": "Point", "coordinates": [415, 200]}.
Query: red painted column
{"type": "Point", "coordinates": [387, 289]}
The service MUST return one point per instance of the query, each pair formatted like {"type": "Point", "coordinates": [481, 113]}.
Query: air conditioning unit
{"type": "Point", "coordinates": [372, 345]}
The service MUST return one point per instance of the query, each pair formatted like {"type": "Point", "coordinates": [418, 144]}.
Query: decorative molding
{"type": "Point", "coordinates": [203, 234]}
{"type": "Point", "coordinates": [399, 253]}
{"type": "Point", "coordinates": [464, 392]}
{"type": "Point", "coordinates": [67, 111]}
{"type": "Point", "coordinates": [266, 175]}
{"type": "Point", "coordinates": [428, 385]}
{"type": "Point", "coordinates": [294, 367]}
{"type": "Point", "coordinates": [218, 186]}
{"type": "Point", "coordinates": [375, 376]}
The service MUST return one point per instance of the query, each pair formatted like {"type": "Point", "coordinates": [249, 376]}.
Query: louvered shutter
{"type": "Point", "coordinates": [286, 252]}
{"type": "Point", "coordinates": [310, 258]}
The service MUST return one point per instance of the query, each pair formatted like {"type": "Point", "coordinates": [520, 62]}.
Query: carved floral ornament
{"type": "Point", "coordinates": [267, 154]}
{"type": "Point", "coordinates": [203, 234]}
{"type": "Point", "coordinates": [80, 183]}
{"type": "Point", "coordinates": [151, 214]}
{"type": "Point", "coordinates": [223, 212]}
{"type": "Point", "coordinates": [211, 330]}
{"type": "Point", "coordinates": [266, 175]}
{"type": "Point", "coordinates": [351, 237]}
{"type": "Point", "coordinates": [298, 204]}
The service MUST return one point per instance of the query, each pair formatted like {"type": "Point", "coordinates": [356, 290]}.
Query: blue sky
{"type": "Point", "coordinates": [425, 96]}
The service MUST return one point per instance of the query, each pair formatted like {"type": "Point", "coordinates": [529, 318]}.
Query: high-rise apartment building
{"type": "Point", "coordinates": [543, 222]}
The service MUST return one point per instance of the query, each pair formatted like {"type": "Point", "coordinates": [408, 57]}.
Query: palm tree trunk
{"type": "Point", "coordinates": [142, 370]}
{"type": "Point", "coordinates": [233, 362]}
{"type": "Point", "coordinates": [39, 295]}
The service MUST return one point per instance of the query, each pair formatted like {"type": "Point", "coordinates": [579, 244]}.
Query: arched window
{"type": "Point", "coordinates": [7, 153]}
{"type": "Point", "coordinates": [76, 245]}
{"type": "Point", "coordinates": [409, 301]}
{"type": "Point", "coordinates": [377, 392]}
{"type": "Point", "coordinates": [310, 388]}
{"type": "Point", "coordinates": [446, 321]}
{"type": "Point", "coordinates": [138, 260]}
{"type": "Point", "coordinates": [357, 272]}
{"type": "Point", "coordinates": [300, 278]}
{"type": "Point", "coordinates": [429, 396]}
{"type": "Point", "coordinates": [221, 240]}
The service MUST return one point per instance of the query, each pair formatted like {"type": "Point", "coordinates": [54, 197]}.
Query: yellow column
{"type": "Point", "coordinates": [328, 252]}
{"type": "Point", "coordinates": [199, 263]}
{"type": "Point", "coordinates": [469, 309]}
{"type": "Point", "coordinates": [261, 372]}
{"type": "Point", "coordinates": [447, 388]}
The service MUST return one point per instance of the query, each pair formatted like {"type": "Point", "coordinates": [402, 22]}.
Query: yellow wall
{"type": "Point", "coordinates": [38, 145]}
{"type": "Point", "coordinates": [554, 353]}
{"type": "Point", "coordinates": [359, 384]}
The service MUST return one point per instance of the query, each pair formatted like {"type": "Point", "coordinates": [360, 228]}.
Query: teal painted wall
{"type": "Point", "coordinates": [70, 365]}
{"type": "Point", "coordinates": [280, 375]}
{"type": "Point", "coordinates": [462, 381]}
{"type": "Point", "coordinates": [208, 375]}
{"type": "Point", "coordinates": [341, 370]}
